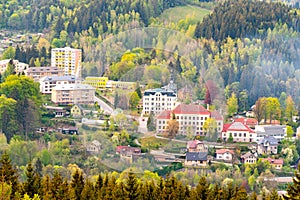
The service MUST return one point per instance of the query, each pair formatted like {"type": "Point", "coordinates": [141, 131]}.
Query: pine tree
{"type": "Point", "coordinates": [132, 187]}
{"type": "Point", "coordinates": [77, 184]}
{"type": "Point", "coordinates": [202, 189]}
{"type": "Point", "coordinates": [8, 174]}
{"type": "Point", "coordinates": [32, 184]}
{"type": "Point", "coordinates": [293, 190]}
{"type": "Point", "coordinates": [88, 192]}
{"type": "Point", "coordinates": [274, 195]}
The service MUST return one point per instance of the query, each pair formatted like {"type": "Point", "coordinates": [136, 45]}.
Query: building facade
{"type": "Point", "coordinates": [190, 117]}
{"type": "Point", "coordinates": [36, 73]}
{"type": "Point", "coordinates": [96, 82]}
{"type": "Point", "coordinates": [239, 132]}
{"type": "Point", "coordinates": [68, 59]}
{"type": "Point", "coordinates": [49, 82]}
{"type": "Point", "coordinates": [157, 100]}
{"type": "Point", "coordinates": [267, 145]}
{"type": "Point", "coordinates": [73, 94]}
{"type": "Point", "coordinates": [224, 154]}
{"type": "Point", "coordinates": [19, 66]}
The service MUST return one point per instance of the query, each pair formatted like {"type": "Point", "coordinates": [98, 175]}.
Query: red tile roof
{"type": "Point", "coordinates": [247, 121]}
{"type": "Point", "coordinates": [166, 114]}
{"type": "Point", "coordinates": [193, 144]}
{"type": "Point", "coordinates": [222, 151]}
{"type": "Point", "coordinates": [190, 109]}
{"type": "Point", "coordinates": [274, 161]}
{"type": "Point", "coordinates": [236, 126]}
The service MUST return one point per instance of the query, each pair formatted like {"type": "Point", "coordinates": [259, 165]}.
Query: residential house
{"type": "Point", "coordinates": [57, 111]}
{"type": "Point", "coordinates": [72, 130]}
{"type": "Point", "coordinates": [224, 154]}
{"type": "Point", "coordinates": [249, 158]}
{"type": "Point", "coordinates": [250, 122]}
{"type": "Point", "coordinates": [49, 82]}
{"type": "Point", "coordinates": [267, 145]}
{"type": "Point", "coordinates": [277, 131]}
{"type": "Point", "coordinates": [196, 159]}
{"type": "Point", "coordinates": [162, 122]}
{"type": "Point", "coordinates": [94, 147]}
{"type": "Point", "coordinates": [239, 132]}
{"type": "Point", "coordinates": [196, 146]}
{"type": "Point", "coordinates": [77, 111]}
{"type": "Point", "coordinates": [129, 153]}
{"type": "Point", "coordinates": [73, 94]}
{"type": "Point", "coordinates": [67, 59]}
{"type": "Point", "coordinates": [276, 163]}
{"type": "Point", "coordinates": [36, 73]}
{"type": "Point", "coordinates": [19, 66]}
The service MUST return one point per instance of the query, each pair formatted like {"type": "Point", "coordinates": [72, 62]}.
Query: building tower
{"type": "Point", "coordinates": [68, 59]}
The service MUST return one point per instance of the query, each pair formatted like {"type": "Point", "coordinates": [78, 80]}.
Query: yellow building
{"type": "Point", "coordinates": [96, 82]}
{"type": "Point", "coordinates": [76, 111]}
{"type": "Point", "coordinates": [121, 85]}
{"type": "Point", "coordinates": [68, 59]}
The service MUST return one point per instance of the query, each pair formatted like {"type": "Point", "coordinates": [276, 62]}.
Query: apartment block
{"type": "Point", "coordinates": [49, 82]}
{"type": "Point", "coordinates": [73, 94]}
{"type": "Point", "coordinates": [68, 59]}
{"type": "Point", "coordinates": [36, 73]}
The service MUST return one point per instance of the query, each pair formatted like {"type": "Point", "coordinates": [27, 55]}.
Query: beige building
{"type": "Point", "coordinates": [224, 154]}
{"type": "Point", "coordinates": [36, 73]}
{"type": "Point", "coordinates": [249, 158]}
{"type": "Point", "coordinates": [20, 67]}
{"type": "Point", "coordinates": [49, 82]}
{"type": "Point", "coordinates": [68, 59]}
{"type": "Point", "coordinates": [73, 94]}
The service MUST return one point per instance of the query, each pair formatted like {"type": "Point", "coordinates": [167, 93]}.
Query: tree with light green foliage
{"type": "Point", "coordinates": [232, 105]}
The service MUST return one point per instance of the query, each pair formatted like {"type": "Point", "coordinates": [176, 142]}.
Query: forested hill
{"type": "Point", "coordinates": [77, 15]}
{"type": "Point", "coordinates": [245, 18]}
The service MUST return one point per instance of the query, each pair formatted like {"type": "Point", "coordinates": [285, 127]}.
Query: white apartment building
{"type": "Point", "coordinates": [73, 94]}
{"type": "Point", "coordinates": [68, 59]}
{"type": "Point", "coordinates": [158, 100]}
{"type": "Point", "coordinates": [191, 118]}
{"type": "Point", "coordinates": [49, 82]}
{"type": "Point", "coordinates": [20, 67]}
{"type": "Point", "coordinates": [239, 132]}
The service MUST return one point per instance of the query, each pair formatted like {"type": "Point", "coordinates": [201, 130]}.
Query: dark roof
{"type": "Point", "coordinates": [169, 93]}
{"type": "Point", "coordinates": [270, 139]}
{"type": "Point", "coordinates": [196, 156]}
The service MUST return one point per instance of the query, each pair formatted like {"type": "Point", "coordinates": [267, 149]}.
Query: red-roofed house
{"type": "Point", "coordinates": [196, 146]}
{"type": "Point", "coordinates": [251, 122]}
{"type": "Point", "coordinates": [239, 132]}
{"type": "Point", "coordinates": [224, 154]}
{"type": "Point", "coordinates": [276, 163]}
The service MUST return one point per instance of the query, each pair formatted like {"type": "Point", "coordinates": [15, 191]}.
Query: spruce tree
{"type": "Point", "coordinates": [32, 184]}
{"type": "Point", "coordinates": [274, 195]}
{"type": "Point", "coordinates": [88, 192]}
{"type": "Point", "coordinates": [8, 174]}
{"type": "Point", "coordinates": [293, 190]}
{"type": "Point", "coordinates": [77, 184]}
{"type": "Point", "coordinates": [202, 189]}
{"type": "Point", "coordinates": [132, 187]}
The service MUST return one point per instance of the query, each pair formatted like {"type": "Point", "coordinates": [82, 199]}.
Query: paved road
{"type": "Point", "coordinates": [104, 106]}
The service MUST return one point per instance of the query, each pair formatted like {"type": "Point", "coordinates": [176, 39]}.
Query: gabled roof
{"type": "Point", "coordinates": [190, 109]}
{"type": "Point", "coordinates": [274, 161]}
{"type": "Point", "coordinates": [196, 156]}
{"type": "Point", "coordinates": [272, 140]}
{"type": "Point", "coordinates": [216, 115]}
{"type": "Point", "coordinates": [222, 151]}
{"type": "Point", "coordinates": [248, 154]}
{"type": "Point", "coordinates": [166, 114]}
{"type": "Point", "coordinates": [125, 149]}
{"type": "Point", "coordinates": [193, 144]}
{"type": "Point", "coordinates": [236, 126]}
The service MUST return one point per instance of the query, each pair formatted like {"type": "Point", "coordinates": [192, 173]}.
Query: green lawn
{"type": "Point", "coordinates": [181, 12]}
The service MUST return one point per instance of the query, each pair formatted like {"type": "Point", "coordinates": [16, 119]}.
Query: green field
{"type": "Point", "coordinates": [181, 12]}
